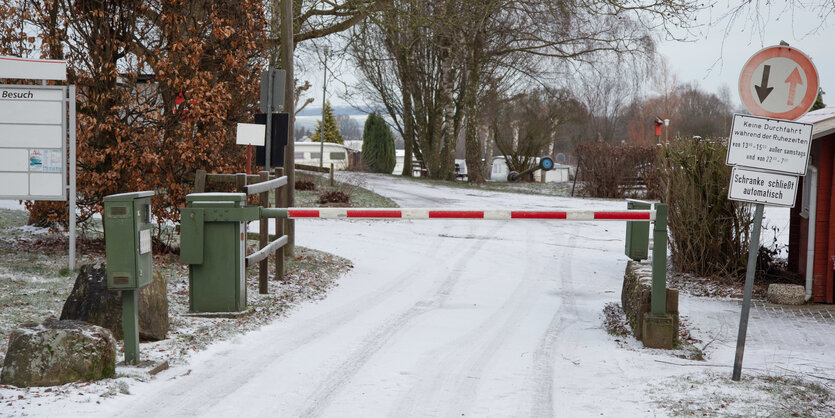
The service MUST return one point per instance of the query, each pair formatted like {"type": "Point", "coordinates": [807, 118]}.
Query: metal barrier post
{"type": "Point", "coordinates": [263, 265]}
{"type": "Point", "coordinates": [659, 261]}
{"type": "Point", "coordinates": [280, 202]}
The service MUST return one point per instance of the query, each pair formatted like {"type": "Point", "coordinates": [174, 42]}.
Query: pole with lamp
{"type": "Point", "coordinates": [666, 131]}
{"type": "Point", "coordinates": [324, 93]}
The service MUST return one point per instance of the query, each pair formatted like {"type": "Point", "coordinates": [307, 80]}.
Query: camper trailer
{"type": "Point", "coordinates": [308, 153]}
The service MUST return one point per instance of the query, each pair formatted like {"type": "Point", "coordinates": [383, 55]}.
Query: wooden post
{"type": "Point", "coordinates": [240, 182]}
{"type": "Point", "coordinates": [331, 174]}
{"type": "Point", "coordinates": [200, 181]}
{"type": "Point", "coordinates": [263, 265]}
{"type": "Point", "coordinates": [280, 202]}
{"type": "Point", "coordinates": [287, 47]}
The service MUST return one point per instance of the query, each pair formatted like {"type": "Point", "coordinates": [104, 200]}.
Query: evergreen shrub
{"type": "Point", "coordinates": [378, 145]}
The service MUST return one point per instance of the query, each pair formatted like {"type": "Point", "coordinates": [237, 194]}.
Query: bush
{"type": "Point", "coordinates": [615, 170]}
{"type": "Point", "coordinates": [305, 185]}
{"type": "Point", "coordinates": [334, 196]}
{"type": "Point", "coordinates": [378, 145]}
{"type": "Point", "coordinates": [708, 232]}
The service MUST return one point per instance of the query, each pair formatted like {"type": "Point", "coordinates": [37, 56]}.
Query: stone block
{"type": "Point", "coordinates": [58, 352]}
{"type": "Point", "coordinates": [636, 299]}
{"type": "Point", "coordinates": [90, 301]}
{"type": "Point", "coordinates": [786, 294]}
{"type": "Point", "coordinates": [658, 331]}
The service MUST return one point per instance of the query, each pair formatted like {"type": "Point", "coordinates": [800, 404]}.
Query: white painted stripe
{"type": "Point", "coordinates": [580, 215]}
{"type": "Point", "coordinates": [333, 213]}
{"type": "Point", "coordinates": [415, 213]}
{"type": "Point", "coordinates": [497, 214]}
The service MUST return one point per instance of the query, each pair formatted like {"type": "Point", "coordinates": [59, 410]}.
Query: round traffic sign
{"type": "Point", "coordinates": [546, 163]}
{"type": "Point", "coordinates": [778, 82]}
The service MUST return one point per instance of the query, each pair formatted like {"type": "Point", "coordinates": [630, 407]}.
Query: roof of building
{"type": "Point", "coordinates": [823, 121]}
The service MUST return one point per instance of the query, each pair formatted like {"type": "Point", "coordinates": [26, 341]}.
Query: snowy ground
{"type": "Point", "coordinates": [469, 318]}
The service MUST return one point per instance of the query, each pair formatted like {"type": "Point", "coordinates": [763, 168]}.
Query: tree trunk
{"type": "Point", "coordinates": [472, 145]}
{"type": "Point", "coordinates": [408, 135]}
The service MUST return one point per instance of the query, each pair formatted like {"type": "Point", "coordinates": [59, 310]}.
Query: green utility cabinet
{"type": "Point", "coordinates": [637, 233]}
{"type": "Point", "coordinates": [212, 243]}
{"type": "Point", "coordinates": [129, 265]}
{"type": "Point", "coordinates": [127, 232]}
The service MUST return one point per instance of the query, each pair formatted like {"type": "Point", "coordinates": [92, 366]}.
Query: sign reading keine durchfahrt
{"type": "Point", "coordinates": [33, 127]}
{"type": "Point", "coordinates": [762, 187]}
{"type": "Point", "coordinates": [769, 144]}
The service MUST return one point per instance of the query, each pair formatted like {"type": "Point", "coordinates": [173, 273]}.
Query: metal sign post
{"type": "Point", "coordinates": [272, 93]}
{"type": "Point", "coordinates": [753, 250]}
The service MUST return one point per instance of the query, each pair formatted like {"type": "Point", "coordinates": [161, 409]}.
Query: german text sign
{"type": "Point", "coordinates": [769, 144]}
{"type": "Point", "coordinates": [762, 187]}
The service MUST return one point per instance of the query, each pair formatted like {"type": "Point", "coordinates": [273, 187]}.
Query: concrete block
{"type": "Point", "coordinates": [658, 331]}
{"type": "Point", "coordinates": [786, 294]}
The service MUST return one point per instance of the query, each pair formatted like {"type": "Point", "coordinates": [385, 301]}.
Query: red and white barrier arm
{"type": "Point", "coordinates": [500, 214]}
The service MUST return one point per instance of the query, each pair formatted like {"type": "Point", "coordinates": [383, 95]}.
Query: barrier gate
{"type": "Point", "coordinates": [213, 240]}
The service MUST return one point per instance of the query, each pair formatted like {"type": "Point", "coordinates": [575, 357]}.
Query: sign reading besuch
{"type": "Point", "coordinates": [770, 144]}
{"type": "Point", "coordinates": [762, 187]}
{"type": "Point", "coordinates": [33, 126]}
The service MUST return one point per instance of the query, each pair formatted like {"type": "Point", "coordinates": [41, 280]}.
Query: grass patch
{"type": "Point", "coordinates": [616, 325]}
{"type": "Point", "coordinates": [351, 185]}
{"type": "Point", "coordinates": [713, 394]}
{"type": "Point", "coordinates": [35, 282]}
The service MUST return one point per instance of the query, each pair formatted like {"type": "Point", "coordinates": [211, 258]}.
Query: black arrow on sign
{"type": "Point", "coordinates": [763, 90]}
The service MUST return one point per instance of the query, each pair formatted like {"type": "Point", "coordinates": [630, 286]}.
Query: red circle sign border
{"type": "Point", "coordinates": [778, 52]}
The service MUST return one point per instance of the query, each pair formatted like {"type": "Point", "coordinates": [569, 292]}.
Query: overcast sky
{"type": "Point", "coordinates": [714, 53]}
{"type": "Point", "coordinates": [715, 57]}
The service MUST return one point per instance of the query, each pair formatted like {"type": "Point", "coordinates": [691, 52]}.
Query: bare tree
{"type": "Point", "coordinates": [459, 47]}
{"type": "Point", "coordinates": [527, 125]}
{"type": "Point", "coordinates": [349, 128]}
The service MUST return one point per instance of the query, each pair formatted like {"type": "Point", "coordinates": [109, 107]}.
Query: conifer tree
{"type": "Point", "coordinates": [332, 133]}
{"type": "Point", "coordinates": [378, 145]}
{"type": "Point", "coordinates": [819, 104]}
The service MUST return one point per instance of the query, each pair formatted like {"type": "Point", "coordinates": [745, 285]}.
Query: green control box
{"type": "Point", "coordinates": [212, 243]}
{"type": "Point", "coordinates": [127, 240]}
{"type": "Point", "coordinates": [637, 233]}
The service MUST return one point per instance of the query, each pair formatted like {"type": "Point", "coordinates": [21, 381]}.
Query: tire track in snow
{"type": "Point", "coordinates": [499, 329]}
{"type": "Point", "coordinates": [544, 357]}
{"type": "Point", "coordinates": [212, 388]}
{"type": "Point", "coordinates": [458, 371]}
{"type": "Point", "coordinates": [335, 382]}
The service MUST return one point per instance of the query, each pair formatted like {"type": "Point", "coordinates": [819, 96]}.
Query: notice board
{"type": "Point", "coordinates": [33, 146]}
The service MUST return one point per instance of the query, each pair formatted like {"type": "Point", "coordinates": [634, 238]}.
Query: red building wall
{"type": "Point", "coordinates": [825, 224]}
